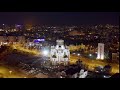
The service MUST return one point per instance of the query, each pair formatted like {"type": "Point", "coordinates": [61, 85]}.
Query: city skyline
{"type": "Point", "coordinates": [59, 18]}
{"type": "Point", "coordinates": [59, 44]}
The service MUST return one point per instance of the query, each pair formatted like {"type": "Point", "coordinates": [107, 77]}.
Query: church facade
{"type": "Point", "coordinates": [59, 53]}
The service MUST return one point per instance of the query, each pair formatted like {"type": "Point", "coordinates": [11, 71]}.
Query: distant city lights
{"type": "Point", "coordinates": [80, 49]}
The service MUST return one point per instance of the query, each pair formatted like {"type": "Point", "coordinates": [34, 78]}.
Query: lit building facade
{"type": "Point", "coordinates": [3, 40]}
{"type": "Point", "coordinates": [12, 40]}
{"type": "Point", "coordinates": [21, 39]}
{"type": "Point", "coordinates": [115, 57]}
{"type": "Point", "coordinates": [59, 53]}
{"type": "Point", "coordinates": [74, 33]}
{"type": "Point", "coordinates": [100, 54]}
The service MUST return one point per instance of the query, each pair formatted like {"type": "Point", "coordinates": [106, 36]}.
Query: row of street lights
{"type": "Point", "coordinates": [80, 54]}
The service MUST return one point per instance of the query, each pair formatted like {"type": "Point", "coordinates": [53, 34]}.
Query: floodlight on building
{"type": "Point", "coordinates": [45, 52]}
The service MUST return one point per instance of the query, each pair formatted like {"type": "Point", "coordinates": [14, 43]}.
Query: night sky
{"type": "Point", "coordinates": [59, 18]}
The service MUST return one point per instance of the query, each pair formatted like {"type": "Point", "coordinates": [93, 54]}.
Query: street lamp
{"type": "Point", "coordinates": [90, 55]}
{"type": "Point", "coordinates": [78, 54]}
{"type": "Point", "coordinates": [45, 52]}
{"type": "Point", "coordinates": [10, 72]}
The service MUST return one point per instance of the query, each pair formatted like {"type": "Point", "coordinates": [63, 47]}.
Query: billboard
{"type": "Point", "coordinates": [38, 40]}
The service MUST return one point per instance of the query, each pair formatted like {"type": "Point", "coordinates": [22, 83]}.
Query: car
{"type": "Point", "coordinates": [106, 76]}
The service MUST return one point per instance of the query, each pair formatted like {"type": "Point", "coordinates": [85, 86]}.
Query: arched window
{"type": "Point", "coordinates": [61, 51]}
{"type": "Point", "coordinates": [64, 53]}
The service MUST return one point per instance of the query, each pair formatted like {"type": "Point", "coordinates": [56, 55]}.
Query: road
{"type": "Point", "coordinates": [7, 72]}
{"type": "Point", "coordinates": [31, 60]}
{"type": "Point", "coordinates": [73, 58]}
{"type": "Point", "coordinates": [93, 63]}
{"type": "Point", "coordinates": [20, 48]}
{"type": "Point", "coordinates": [27, 64]}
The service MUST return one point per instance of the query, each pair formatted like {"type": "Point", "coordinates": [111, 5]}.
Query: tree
{"type": "Point", "coordinates": [107, 68]}
{"type": "Point", "coordinates": [117, 75]}
{"type": "Point", "coordinates": [1, 75]}
{"type": "Point", "coordinates": [54, 56]}
{"type": "Point", "coordinates": [78, 62]}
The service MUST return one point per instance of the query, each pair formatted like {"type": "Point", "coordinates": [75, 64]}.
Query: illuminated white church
{"type": "Point", "coordinates": [59, 53]}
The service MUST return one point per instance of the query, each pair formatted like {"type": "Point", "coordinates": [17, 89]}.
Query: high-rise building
{"type": "Point", "coordinates": [59, 53]}
{"type": "Point", "coordinates": [100, 54]}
